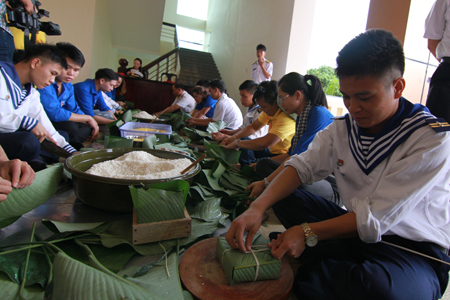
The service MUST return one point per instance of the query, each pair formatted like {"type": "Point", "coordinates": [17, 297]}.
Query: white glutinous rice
{"type": "Point", "coordinates": [144, 115]}
{"type": "Point", "coordinates": [140, 165]}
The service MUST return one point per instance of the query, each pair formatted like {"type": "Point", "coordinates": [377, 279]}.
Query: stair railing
{"type": "Point", "coordinates": [166, 63]}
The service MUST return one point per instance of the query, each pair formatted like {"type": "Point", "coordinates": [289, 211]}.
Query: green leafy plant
{"type": "Point", "coordinates": [328, 78]}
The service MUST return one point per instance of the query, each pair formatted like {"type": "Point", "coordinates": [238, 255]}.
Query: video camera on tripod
{"type": "Point", "coordinates": [18, 17]}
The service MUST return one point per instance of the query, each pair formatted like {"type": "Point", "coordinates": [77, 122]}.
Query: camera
{"type": "Point", "coordinates": [18, 17]}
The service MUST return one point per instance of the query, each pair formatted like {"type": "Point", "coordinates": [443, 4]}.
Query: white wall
{"type": "Point", "coordinates": [106, 30]}
{"type": "Point", "coordinates": [234, 37]}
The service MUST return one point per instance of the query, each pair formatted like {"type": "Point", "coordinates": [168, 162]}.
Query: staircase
{"type": "Point", "coordinates": [196, 65]}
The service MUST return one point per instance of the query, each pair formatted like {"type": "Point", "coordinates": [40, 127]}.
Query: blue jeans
{"type": "Point", "coordinates": [6, 46]}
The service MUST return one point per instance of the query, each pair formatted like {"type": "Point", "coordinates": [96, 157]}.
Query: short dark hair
{"type": "Point", "coordinates": [140, 60]}
{"type": "Point", "coordinates": [203, 82]}
{"type": "Point", "coordinates": [106, 74]}
{"type": "Point", "coordinates": [71, 52]}
{"type": "Point", "coordinates": [248, 85]}
{"type": "Point", "coordinates": [200, 90]}
{"type": "Point", "coordinates": [266, 90]}
{"type": "Point", "coordinates": [217, 83]}
{"type": "Point", "coordinates": [45, 52]}
{"type": "Point", "coordinates": [292, 82]}
{"type": "Point", "coordinates": [179, 85]}
{"type": "Point", "coordinates": [261, 47]}
{"type": "Point", "coordinates": [372, 53]}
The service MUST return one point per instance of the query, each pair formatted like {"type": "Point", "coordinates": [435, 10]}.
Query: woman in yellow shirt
{"type": "Point", "coordinates": [281, 128]}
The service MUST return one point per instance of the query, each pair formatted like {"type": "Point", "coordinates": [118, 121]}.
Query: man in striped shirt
{"type": "Point", "coordinates": [23, 121]}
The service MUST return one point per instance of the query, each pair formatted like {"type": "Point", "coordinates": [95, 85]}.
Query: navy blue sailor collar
{"type": "Point", "coordinates": [408, 118]}
{"type": "Point", "coordinates": [14, 85]}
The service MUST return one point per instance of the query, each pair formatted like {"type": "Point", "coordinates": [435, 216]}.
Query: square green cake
{"type": "Point", "coordinates": [240, 267]}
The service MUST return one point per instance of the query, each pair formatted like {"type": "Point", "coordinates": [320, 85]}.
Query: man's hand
{"type": "Point", "coordinates": [256, 188]}
{"type": "Point", "coordinates": [41, 133]}
{"type": "Point", "coordinates": [28, 5]}
{"type": "Point", "coordinates": [218, 136]}
{"type": "Point", "coordinates": [112, 113]}
{"type": "Point", "coordinates": [191, 122]}
{"type": "Point", "coordinates": [261, 62]}
{"type": "Point", "coordinates": [290, 242]}
{"type": "Point", "coordinates": [249, 221]}
{"type": "Point", "coordinates": [19, 173]}
{"type": "Point", "coordinates": [94, 125]}
{"type": "Point", "coordinates": [121, 103]}
{"type": "Point", "coordinates": [5, 189]}
{"type": "Point", "coordinates": [227, 141]}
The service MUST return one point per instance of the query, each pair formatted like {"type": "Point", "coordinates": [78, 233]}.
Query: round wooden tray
{"type": "Point", "coordinates": [203, 275]}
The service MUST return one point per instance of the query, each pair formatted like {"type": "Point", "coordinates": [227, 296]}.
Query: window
{"type": "Point", "coordinates": [197, 9]}
{"type": "Point", "coordinates": [191, 39]}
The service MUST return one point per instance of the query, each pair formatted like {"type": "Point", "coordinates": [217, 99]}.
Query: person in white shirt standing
{"type": "Point", "coordinates": [183, 101]}
{"type": "Point", "coordinates": [437, 31]}
{"type": "Point", "coordinates": [262, 69]}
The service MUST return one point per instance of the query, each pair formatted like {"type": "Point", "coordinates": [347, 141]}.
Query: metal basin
{"type": "Point", "coordinates": [111, 193]}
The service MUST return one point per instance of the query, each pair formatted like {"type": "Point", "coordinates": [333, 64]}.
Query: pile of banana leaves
{"type": "Point", "coordinates": [86, 260]}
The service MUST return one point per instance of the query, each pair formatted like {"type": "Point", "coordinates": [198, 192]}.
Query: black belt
{"type": "Point", "coordinates": [446, 59]}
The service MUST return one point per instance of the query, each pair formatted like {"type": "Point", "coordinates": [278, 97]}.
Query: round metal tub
{"type": "Point", "coordinates": [111, 193]}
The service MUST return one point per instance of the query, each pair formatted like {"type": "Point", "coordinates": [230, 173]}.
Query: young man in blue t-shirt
{"type": "Point", "coordinates": [59, 102]}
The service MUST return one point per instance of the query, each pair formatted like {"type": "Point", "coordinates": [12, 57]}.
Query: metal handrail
{"type": "Point", "coordinates": [166, 63]}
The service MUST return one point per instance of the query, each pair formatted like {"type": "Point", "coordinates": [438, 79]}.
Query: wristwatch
{"type": "Point", "coordinates": [236, 145]}
{"type": "Point", "coordinates": [311, 238]}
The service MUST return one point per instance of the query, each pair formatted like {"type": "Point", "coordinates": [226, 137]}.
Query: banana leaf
{"type": "Point", "coordinates": [206, 178]}
{"type": "Point", "coordinates": [154, 205]}
{"type": "Point", "coordinates": [240, 267]}
{"type": "Point", "coordinates": [208, 210]}
{"type": "Point", "coordinates": [113, 127]}
{"type": "Point", "coordinates": [162, 138]}
{"type": "Point", "coordinates": [126, 116]}
{"type": "Point", "coordinates": [149, 142]}
{"type": "Point", "coordinates": [217, 169]}
{"type": "Point", "coordinates": [172, 147]}
{"type": "Point", "coordinates": [159, 283]}
{"type": "Point", "coordinates": [13, 265]}
{"type": "Point", "coordinates": [228, 155]}
{"type": "Point", "coordinates": [199, 192]}
{"type": "Point", "coordinates": [196, 135]}
{"type": "Point", "coordinates": [21, 201]}
{"type": "Point", "coordinates": [237, 181]}
{"type": "Point", "coordinates": [174, 186]}
{"type": "Point", "coordinates": [10, 290]}
{"type": "Point", "coordinates": [216, 126]}
{"type": "Point", "coordinates": [117, 142]}
{"type": "Point", "coordinates": [75, 280]}
{"type": "Point", "coordinates": [120, 232]}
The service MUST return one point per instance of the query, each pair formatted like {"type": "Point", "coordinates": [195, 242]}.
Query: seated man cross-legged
{"type": "Point", "coordinates": [226, 108]}
{"type": "Point", "coordinates": [392, 170]}
{"type": "Point", "coordinates": [59, 102]}
{"type": "Point", "coordinates": [90, 98]}
{"type": "Point", "coordinates": [246, 91]}
{"type": "Point", "coordinates": [183, 102]}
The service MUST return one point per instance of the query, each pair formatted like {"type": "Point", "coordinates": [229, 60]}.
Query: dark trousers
{"type": "Point", "coordinates": [248, 157]}
{"type": "Point", "coordinates": [78, 132]}
{"type": "Point", "coordinates": [351, 269]}
{"type": "Point", "coordinates": [21, 145]}
{"type": "Point", "coordinates": [438, 100]}
{"type": "Point", "coordinates": [327, 188]}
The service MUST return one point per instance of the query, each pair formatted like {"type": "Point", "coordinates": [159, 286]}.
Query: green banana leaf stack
{"type": "Point", "coordinates": [240, 267]}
